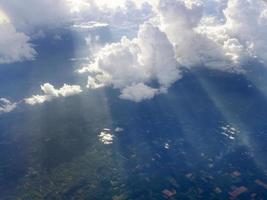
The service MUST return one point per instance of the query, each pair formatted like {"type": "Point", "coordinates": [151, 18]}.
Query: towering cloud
{"type": "Point", "coordinates": [247, 23]}
{"type": "Point", "coordinates": [181, 33]}
{"type": "Point", "coordinates": [242, 36]}
{"type": "Point", "coordinates": [133, 65]}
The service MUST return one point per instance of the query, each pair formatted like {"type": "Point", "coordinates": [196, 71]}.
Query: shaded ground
{"type": "Point", "coordinates": [205, 139]}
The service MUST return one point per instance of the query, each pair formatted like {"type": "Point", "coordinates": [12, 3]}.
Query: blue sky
{"type": "Point", "coordinates": [54, 49]}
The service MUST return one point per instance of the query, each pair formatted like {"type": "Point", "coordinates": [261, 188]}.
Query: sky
{"type": "Point", "coordinates": [138, 47]}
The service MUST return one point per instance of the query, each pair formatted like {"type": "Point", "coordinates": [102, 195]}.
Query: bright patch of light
{"type": "Point", "coordinates": [106, 136]}
{"type": "Point", "coordinates": [166, 146]}
{"type": "Point", "coordinates": [3, 17]}
{"type": "Point", "coordinates": [78, 5]}
{"type": "Point", "coordinates": [229, 131]}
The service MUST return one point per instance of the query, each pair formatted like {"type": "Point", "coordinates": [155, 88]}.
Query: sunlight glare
{"type": "Point", "coordinates": [78, 5]}
{"type": "Point", "coordinates": [3, 17]}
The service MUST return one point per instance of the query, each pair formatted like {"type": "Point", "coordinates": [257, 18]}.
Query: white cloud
{"type": "Point", "coordinates": [246, 21]}
{"type": "Point", "coordinates": [132, 64]}
{"type": "Point", "coordinates": [33, 13]}
{"type": "Point", "coordinates": [90, 25]}
{"type": "Point", "coordinates": [69, 90]}
{"type": "Point", "coordinates": [181, 33]}
{"type": "Point", "coordinates": [157, 56]}
{"type": "Point", "coordinates": [14, 46]}
{"type": "Point", "coordinates": [180, 20]}
{"type": "Point", "coordinates": [138, 92]}
{"type": "Point", "coordinates": [243, 35]}
{"type": "Point", "coordinates": [50, 92]}
{"type": "Point", "coordinates": [6, 105]}
{"type": "Point", "coordinates": [220, 34]}
{"type": "Point", "coordinates": [31, 16]}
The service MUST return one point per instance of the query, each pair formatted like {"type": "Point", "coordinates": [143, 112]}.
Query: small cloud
{"type": "Point", "coordinates": [57, 37]}
{"type": "Point", "coordinates": [6, 105]}
{"type": "Point", "coordinates": [50, 92]}
{"type": "Point", "coordinates": [38, 35]}
{"type": "Point", "coordinates": [119, 129]}
{"type": "Point", "coordinates": [90, 25]}
{"type": "Point", "coordinates": [138, 92]}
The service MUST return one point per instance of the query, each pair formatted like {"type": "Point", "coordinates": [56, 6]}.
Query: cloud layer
{"type": "Point", "coordinates": [173, 34]}
{"type": "Point", "coordinates": [32, 13]}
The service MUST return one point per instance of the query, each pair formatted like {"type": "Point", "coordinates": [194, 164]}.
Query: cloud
{"type": "Point", "coordinates": [6, 105]}
{"type": "Point", "coordinates": [134, 64]}
{"type": "Point", "coordinates": [162, 46]}
{"type": "Point", "coordinates": [50, 92]}
{"type": "Point", "coordinates": [181, 21]}
{"type": "Point", "coordinates": [173, 34]}
{"type": "Point", "coordinates": [35, 14]}
{"type": "Point", "coordinates": [32, 13]}
{"type": "Point", "coordinates": [34, 17]}
{"type": "Point", "coordinates": [242, 36]}
{"type": "Point", "coordinates": [90, 25]}
{"type": "Point", "coordinates": [181, 33]}
{"type": "Point", "coordinates": [246, 21]}
{"type": "Point", "coordinates": [14, 46]}
{"type": "Point", "coordinates": [221, 34]}
{"type": "Point", "coordinates": [138, 92]}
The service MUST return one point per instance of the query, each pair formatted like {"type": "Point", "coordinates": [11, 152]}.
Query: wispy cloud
{"type": "Point", "coordinates": [6, 105]}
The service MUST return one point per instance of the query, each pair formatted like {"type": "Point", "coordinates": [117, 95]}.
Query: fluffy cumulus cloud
{"type": "Point", "coordinates": [243, 34]}
{"type": "Point", "coordinates": [133, 65]}
{"type": "Point", "coordinates": [14, 46]}
{"type": "Point", "coordinates": [50, 92]}
{"type": "Point", "coordinates": [200, 36]}
{"type": "Point", "coordinates": [6, 105]}
{"type": "Point", "coordinates": [246, 22]}
{"type": "Point", "coordinates": [179, 20]}
{"type": "Point", "coordinates": [222, 36]}
{"type": "Point", "coordinates": [217, 34]}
